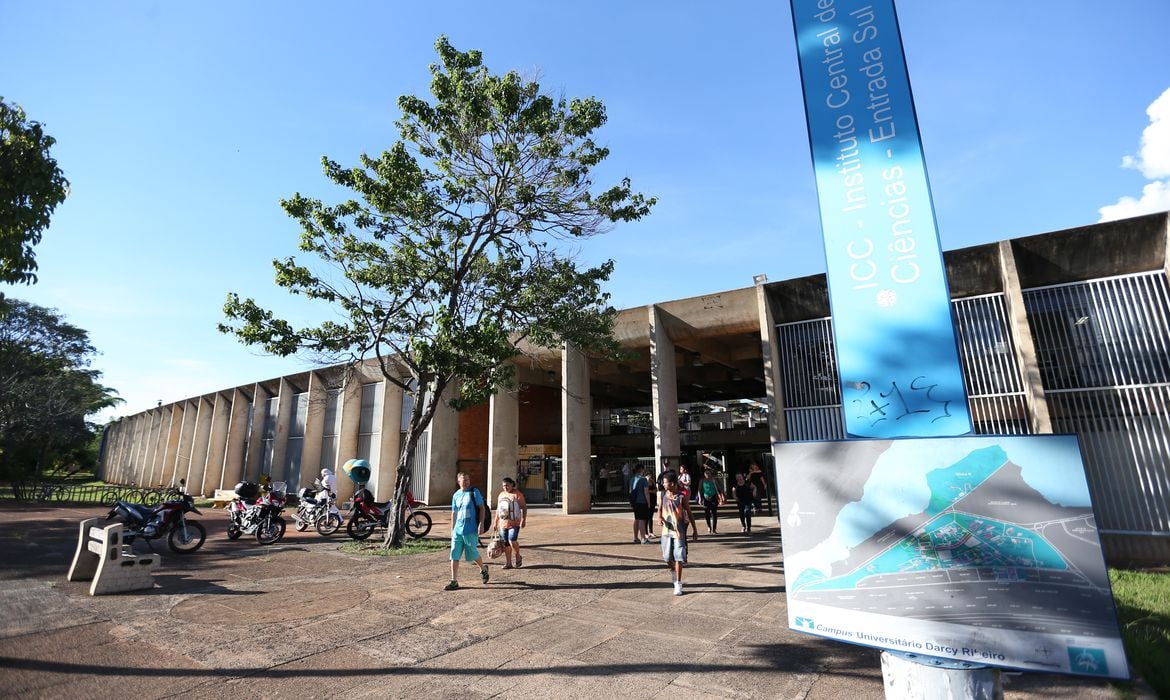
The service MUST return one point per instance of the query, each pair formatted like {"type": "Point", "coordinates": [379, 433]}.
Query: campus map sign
{"type": "Point", "coordinates": [896, 350]}
{"type": "Point", "coordinates": [979, 549]}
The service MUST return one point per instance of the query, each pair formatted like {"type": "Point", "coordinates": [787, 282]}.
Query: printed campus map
{"type": "Point", "coordinates": [980, 549]}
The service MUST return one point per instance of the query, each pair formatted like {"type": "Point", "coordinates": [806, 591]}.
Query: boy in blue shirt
{"type": "Point", "coordinates": [467, 516]}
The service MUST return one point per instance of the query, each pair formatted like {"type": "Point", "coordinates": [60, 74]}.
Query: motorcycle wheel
{"type": "Point", "coordinates": [195, 536]}
{"type": "Point", "coordinates": [328, 524]}
{"type": "Point", "coordinates": [234, 532]}
{"type": "Point", "coordinates": [270, 530]}
{"type": "Point", "coordinates": [418, 524]}
{"type": "Point", "coordinates": [300, 524]}
{"type": "Point", "coordinates": [360, 526]}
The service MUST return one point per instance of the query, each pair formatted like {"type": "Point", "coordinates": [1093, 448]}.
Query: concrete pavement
{"type": "Point", "coordinates": [590, 615]}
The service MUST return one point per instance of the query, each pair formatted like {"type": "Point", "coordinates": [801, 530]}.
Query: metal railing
{"type": "Point", "coordinates": [82, 494]}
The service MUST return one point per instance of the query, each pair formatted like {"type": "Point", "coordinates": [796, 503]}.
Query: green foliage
{"type": "Point", "coordinates": [1143, 610]}
{"type": "Point", "coordinates": [451, 256]}
{"type": "Point", "coordinates": [31, 187]}
{"type": "Point", "coordinates": [46, 391]}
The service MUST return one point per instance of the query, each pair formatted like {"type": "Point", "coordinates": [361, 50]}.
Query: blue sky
{"type": "Point", "coordinates": [180, 125]}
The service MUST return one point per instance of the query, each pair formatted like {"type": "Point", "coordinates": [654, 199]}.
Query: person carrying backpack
{"type": "Point", "coordinates": [511, 515]}
{"type": "Point", "coordinates": [468, 511]}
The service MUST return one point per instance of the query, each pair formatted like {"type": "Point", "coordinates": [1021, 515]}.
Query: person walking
{"type": "Point", "coordinates": [602, 483]}
{"type": "Point", "coordinates": [511, 516]}
{"type": "Point", "coordinates": [684, 481]}
{"type": "Point", "coordinates": [468, 512]}
{"type": "Point", "coordinates": [745, 500]}
{"type": "Point", "coordinates": [674, 515]}
{"type": "Point", "coordinates": [757, 480]}
{"type": "Point", "coordinates": [712, 495]}
{"type": "Point", "coordinates": [640, 503]}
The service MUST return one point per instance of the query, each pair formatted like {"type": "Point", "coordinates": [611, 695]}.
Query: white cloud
{"type": "Point", "coordinates": [1155, 197]}
{"type": "Point", "coordinates": [1152, 161]}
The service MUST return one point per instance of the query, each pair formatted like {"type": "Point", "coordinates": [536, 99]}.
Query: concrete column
{"type": "Point", "coordinates": [391, 439]}
{"type": "Point", "coordinates": [172, 437]}
{"type": "Point", "coordinates": [1039, 419]}
{"type": "Point", "coordinates": [148, 456]}
{"type": "Point", "coordinates": [773, 381]}
{"type": "Point", "coordinates": [663, 392]}
{"type": "Point", "coordinates": [284, 401]}
{"type": "Point", "coordinates": [186, 440]}
{"type": "Point", "coordinates": [255, 458]}
{"type": "Point", "coordinates": [314, 430]}
{"type": "Point", "coordinates": [199, 446]}
{"type": "Point", "coordinates": [237, 438]}
{"type": "Point", "coordinates": [503, 438]}
{"type": "Point", "coordinates": [138, 449]}
{"type": "Point", "coordinates": [347, 440]}
{"type": "Point", "coordinates": [442, 462]}
{"type": "Point", "coordinates": [575, 426]}
{"type": "Point", "coordinates": [122, 453]}
{"type": "Point", "coordinates": [221, 412]}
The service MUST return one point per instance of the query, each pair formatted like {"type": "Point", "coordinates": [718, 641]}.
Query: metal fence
{"type": "Point", "coordinates": [811, 388]}
{"type": "Point", "coordinates": [1103, 348]}
{"type": "Point", "coordinates": [92, 494]}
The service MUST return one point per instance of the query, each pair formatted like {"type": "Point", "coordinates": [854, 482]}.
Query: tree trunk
{"type": "Point", "coordinates": [427, 398]}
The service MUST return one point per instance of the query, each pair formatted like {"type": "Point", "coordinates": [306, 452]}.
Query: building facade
{"type": "Point", "coordinates": [1064, 332]}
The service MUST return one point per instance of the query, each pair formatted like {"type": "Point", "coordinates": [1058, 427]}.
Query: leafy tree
{"type": "Point", "coordinates": [453, 257]}
{"type": "Point", "coordinates": [46, 391]}
{"type": "Point", "coordinates": [31, 187]}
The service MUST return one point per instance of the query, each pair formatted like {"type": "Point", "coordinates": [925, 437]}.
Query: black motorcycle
{"type": "Point", "coordinates": [168, 519]}
{"type": "Point", "coordinates": [257, 511]}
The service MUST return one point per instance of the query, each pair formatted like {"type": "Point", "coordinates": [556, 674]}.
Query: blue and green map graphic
{"type": "Point", "coordinates": [975, 548]}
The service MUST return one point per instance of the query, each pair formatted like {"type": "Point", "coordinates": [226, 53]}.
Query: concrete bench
{"type": "Point", "coordinates": [222, 497]}
{"type": "Point", "coordinates": [112, 566]}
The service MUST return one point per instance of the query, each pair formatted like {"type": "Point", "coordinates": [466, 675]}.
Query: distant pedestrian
{"type": "Point", "coordinates": [684, 481]}
{"type": "Point", "coordinates": [468, 513]}
{"type": "Point", "coordinates": [674, 516]}
{"type": "Point", "coordinates": [756, 479]}
{"type": "Point", "coordinates": [511, 515]}
{"type": "Point", "coordinates": [627, 474]}
{"type": "Point", "coordinates": [712, 496]}
{"type": "Point", "coordinates": [640, 503]}
{"type": "Point", "coordinates": [602, 483]}
{"type": "Point", "coordinates": [745, 500]}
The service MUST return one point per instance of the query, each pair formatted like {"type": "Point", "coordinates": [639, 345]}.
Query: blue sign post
{"type": "Point", "coordinates": [920, 538]}
{"type": "Point", "coordinates": [896, 349]}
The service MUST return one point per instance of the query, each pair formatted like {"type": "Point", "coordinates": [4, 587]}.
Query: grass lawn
{"type": "Point", "coordinates": [1143, 610]}
{"type": "Point", "coordinates": [373, 547]}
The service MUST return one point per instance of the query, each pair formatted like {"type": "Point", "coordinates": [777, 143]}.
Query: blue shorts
{"type": "Point", "coordinates": [674, 549]}
{"type": "Point", "coordinates": [465, 546]}
{"type": "Point", "coordinates": [510, 534]}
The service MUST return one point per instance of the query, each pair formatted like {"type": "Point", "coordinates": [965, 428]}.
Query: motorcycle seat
{"type": "Point", "coordinates": [141, 511]}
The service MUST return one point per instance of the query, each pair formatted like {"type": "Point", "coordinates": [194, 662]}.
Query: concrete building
{"type": "Point", "coordinates": [1065, 332]}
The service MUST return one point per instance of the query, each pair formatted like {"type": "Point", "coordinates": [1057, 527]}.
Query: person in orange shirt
{"type": "Point", "coordinates": [511, 515]}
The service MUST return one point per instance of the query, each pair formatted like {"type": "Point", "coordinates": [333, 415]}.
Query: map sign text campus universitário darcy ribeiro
{"type": "Point", "coordinates": [914, 535]}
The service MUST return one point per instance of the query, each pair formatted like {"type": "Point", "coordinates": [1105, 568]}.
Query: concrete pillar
{"type": "Point", "coordinates": [221, 411]}
{"type": "Point", "coordinates": [314, 430]}
{"type": "Point", "coordinates": [284, 402]}
{"type": "Point", "coordinates": [663, 392]}
{"type": "Point", "coordinates": [773, 379]}
{"type": "Point", "coordinates": [255, 458]}
{"type": "Point", "coordinates": [199, 446]}
{"type": "Point", "coordinates": [148, 456]}
{"type": "Point", "coordinates": [186, 440]}
{"type": "Point", "coordinates": [347, 440]}
{"type": "Point", "coordinates": [173, 439]}
{"type": "Point", "coordinates": [237, 439]}
{"type": "Point", "coordinates": [391, 439]}
{"type": "Point", "coordinates": [575, 426]}
{"type": "Point", "coordinates": [443, 460]}
{"type": "Point", "coordinates": [122, 452]}
{"type": "Point", "coordinates": [503, 439]}
{"type": "Point", "coordinates": [1039, 418]}
{"type": "Point", "coordinates": [909, 677]}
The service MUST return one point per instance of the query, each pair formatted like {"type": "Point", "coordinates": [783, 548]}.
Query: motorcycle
{"type": "Point", "coordinates": [369, 515]}
{"type": "Point", "coordinates": [316, 507]}
{"type": "Point", "coordinates": [256, 512]}
{"type": "Point", "coordinates": [168, 519]}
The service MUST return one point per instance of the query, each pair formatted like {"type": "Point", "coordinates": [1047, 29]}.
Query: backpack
{"type": "Point", "coordinates": [509, 509]}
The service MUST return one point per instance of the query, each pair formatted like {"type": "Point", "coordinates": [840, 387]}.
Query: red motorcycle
{"type": "Point", "coordinates": [368, 515]}
{"type": "Point", "coordinates": [168, 519]}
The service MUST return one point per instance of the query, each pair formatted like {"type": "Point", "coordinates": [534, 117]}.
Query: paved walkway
{"type": "Point", "coordinates": [590, 615]}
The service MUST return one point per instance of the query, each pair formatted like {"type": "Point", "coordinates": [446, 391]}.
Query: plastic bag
{"type": "Point", "coordinates": [495, 548]}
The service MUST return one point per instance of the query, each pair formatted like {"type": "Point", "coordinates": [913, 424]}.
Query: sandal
{"type": "Point", "coordinates": [519, 561]}
{"type": "Point", "coordinates": [508, 566]}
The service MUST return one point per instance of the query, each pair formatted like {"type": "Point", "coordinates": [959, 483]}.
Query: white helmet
{"type": "Point", "coordinates": [325, 472]}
